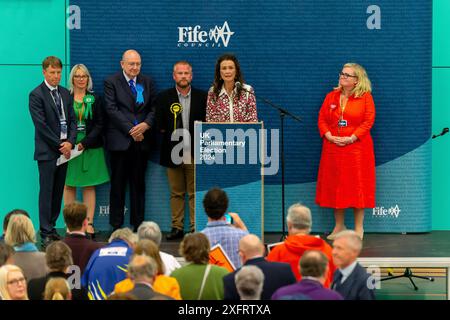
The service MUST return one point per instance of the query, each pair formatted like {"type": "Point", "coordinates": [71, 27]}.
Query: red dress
{"type": "Point", "coordinates": [346, 176]}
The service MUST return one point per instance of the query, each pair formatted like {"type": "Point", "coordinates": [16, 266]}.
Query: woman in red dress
{"type": "Point", "coordinates": [346, 176]}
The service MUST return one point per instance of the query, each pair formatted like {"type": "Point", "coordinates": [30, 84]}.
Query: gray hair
{"type": "Point", "coordinates": [354, 241]}
{"type": "Point", "coordinates": [142, 266]}
{"type": "Point", "coordinates": [300, 217]}
{"type": "Point", "coordinates": [151, 231]}
{"type": "Point", "coordinates": [249, 282]}
{"type": "Point", "coordinates": [124, 234]}
{"type": "Point", "coordinates": [83, 68]}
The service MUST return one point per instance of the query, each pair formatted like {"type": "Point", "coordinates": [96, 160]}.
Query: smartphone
{"type": "Point", "coordinates": [229, 218]}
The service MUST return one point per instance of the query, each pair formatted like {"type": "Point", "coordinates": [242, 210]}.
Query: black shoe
{"type": "Point", "coordinates": [175, 234]}
{"type": "Point", "coordinates": [45, 241]}
{"type": "Point", "coordinates": [55, 237]}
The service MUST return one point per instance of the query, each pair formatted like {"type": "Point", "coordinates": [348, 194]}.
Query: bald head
{"type": "Point", "coordinates": [250, 247]}
{"type": "Point", "coordinates": [130, 54]}
{"type": "Point", "coordinates": [131, 63]}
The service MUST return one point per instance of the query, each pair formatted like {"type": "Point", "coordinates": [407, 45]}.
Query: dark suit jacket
{"type": "Point", "coordinates": [355, 286]}
{"type": "Point", "coordinates": [36, 287]}
{"type": "Point", "coordinates": [276, 275]}
{"type": "Point", "coordinates": [47, 127]}
{"type": "Point", "coordinates": [82, 249]}
{"type": "Point", "coordinates": [165, 119]}
{"type": "Point", "coordinates": [144, 292]}
{"type": "Point", "coordinates": [94, 126]}
{"type": "Point", "coordinates": [121, 110]}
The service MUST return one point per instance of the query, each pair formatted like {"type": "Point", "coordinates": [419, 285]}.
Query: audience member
{"type": "Point", "coordinates": [142, 270]}
{"type": "Point", "coordinates": [163, 284]}
{"type": "Point", "coordinates": [6, 221]}
{"type": "Point", "coordinates": [276, 274]}
{"type": "Point", "coordinates": [351, 280]}
{"type": "Point", "coordinates": [6, 254]}
{"type": "Point", "coordinates": [59, 259]}
{"type": "Point", "coordinates": [299, 240]}
{"type": "Point", "coordinates": [151, 231]}
{"type": "Point", "coordinates": [314, 270]}
{"type": "Point", "coordinates": [75, 217]}
{"type": "Point", "coordinates": [21, 236]}
{"type": "Point", "coordinates": [57, 289]}
{"type": "Point", "coordinates": [218, 230]}
{"type": "Point", "coordinates": [249, 282]}
{"type": "Point", "coordinates": [199, 280]}
{"type": "Point", "coordinates": [13, 284]}
{"type": "Point", "coordinates": [108, 265]}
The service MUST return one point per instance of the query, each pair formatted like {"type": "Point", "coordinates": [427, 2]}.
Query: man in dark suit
{"type": "Point", "coordinates": [142, 271]}
{"type": "Point", "coordinates": [351, 280]}
{"type": "Point", "coordinates": [51, 109]}
{"type": "Point", "coordinates": [276, 274]}
{"type": "Point", "coordinates": [129, 113]}
{"type": "Point", "coordinates": [176, 111]}
{"type": "Point", "coordinates": [75, 217]}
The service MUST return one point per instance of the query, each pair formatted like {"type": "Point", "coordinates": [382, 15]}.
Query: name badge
{"type": "Point", "coordinates": [342, 123]}
{"type": "Point", "coordinates": [63, 124]}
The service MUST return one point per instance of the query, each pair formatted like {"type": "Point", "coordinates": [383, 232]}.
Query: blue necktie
{"type": "Point", "coordinates": [132, 87]}
{"type": "Point", "coordinates": [57, 99]}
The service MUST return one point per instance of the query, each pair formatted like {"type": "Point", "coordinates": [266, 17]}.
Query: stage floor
{"type": "Point", "coordinates": [432, 244]}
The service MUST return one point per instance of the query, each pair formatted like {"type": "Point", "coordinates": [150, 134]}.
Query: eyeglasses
{"type": "Point", "coordinates": [15, 282]}
{"type": "Point", "coordinates": [81, 77]}
{"type": "Point", "coordinates": [346, 75]}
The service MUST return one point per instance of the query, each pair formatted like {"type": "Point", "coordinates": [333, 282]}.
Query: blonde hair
{"type": "Point", "coordinates": [363, 84]}
{"type": "Point", "coordinates": [83, 68]}
{"type": "Point", "coordinates": [125, 234]}
{"type": "Point", "coordinates": [4, 271]}
{"type": "Point", "coordinates": [57, 289]}
{"type": "Point", "coordinates": [20, 230]}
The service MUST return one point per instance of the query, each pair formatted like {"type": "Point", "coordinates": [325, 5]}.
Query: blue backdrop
{"type": "Point", "coordinates": [290, 52]}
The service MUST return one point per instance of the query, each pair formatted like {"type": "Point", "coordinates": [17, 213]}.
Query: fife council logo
{"type": "Point", "coordinates": [394, 212]}
{"type": "Point", "coordinates": [218, 36]}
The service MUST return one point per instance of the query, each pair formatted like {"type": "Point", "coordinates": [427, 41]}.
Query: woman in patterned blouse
{"type": "Point", "coordinates": [226, 101]}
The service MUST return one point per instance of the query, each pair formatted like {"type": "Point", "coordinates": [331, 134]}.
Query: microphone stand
{"type": "Point", "coordinates": [282, 112]}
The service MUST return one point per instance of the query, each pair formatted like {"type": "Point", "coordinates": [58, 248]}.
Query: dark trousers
{"type": "Point", "coordinates": [51, 188]}
{"type": "Point", "coordinates": [128, 166]}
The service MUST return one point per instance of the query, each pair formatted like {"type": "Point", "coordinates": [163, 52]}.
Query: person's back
{"type": "Point", "coordinates": [190, 278]}
{"type": "Point", "coordinates": [218, 230]}
{"type": "Point", "coordinates": [32, 263]}
{"type": "Point", "coordinates": [106, 267]}
{"type": "Point", "coordinates": [82, 249]}
{"type": "Point", "coordinates": [293, 248]}
{"type": "Point", "coordinates": [75, 217]}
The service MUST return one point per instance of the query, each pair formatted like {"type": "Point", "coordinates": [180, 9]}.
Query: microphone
{"type": "Point", "coordinates": [444, 131]}
{"type": "Point", "coordinates": [238, 85]}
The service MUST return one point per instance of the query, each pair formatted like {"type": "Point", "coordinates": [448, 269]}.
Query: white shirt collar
{"type": "Point", "coordinates": [77, 232]}
{"type": "Point", "coordinates": [223, 91]}
{"type": "Point", "coordinates": [49, 86]}
{"type": "Point", "coordinates": [180, 94]}
{"type": "Point", "coordinates": [128, 79]}
{"type": "Point", "coordinates": [346, 272]}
